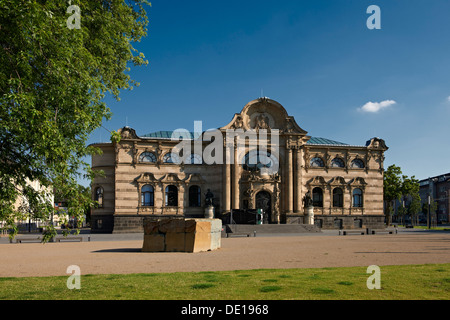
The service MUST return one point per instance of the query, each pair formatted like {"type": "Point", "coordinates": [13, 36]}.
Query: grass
{"type": "Point", "coordinates": [432, 228]}
{"type": "Point", "coordinates": [422, 282]}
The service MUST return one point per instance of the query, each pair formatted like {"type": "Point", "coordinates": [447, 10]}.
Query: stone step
{"type": "Point", "coordinates": [270, 228]}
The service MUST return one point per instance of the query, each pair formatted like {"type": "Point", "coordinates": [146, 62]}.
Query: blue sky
{"type": "Point", "coordinates": [207, 59]}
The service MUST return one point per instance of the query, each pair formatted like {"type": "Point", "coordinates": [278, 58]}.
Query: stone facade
{"type": "Point", "coordinates": [141, 179]}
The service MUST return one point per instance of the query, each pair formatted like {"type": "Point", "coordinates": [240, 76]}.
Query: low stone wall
{"type": "Point", "coordinates": [134, 223]}
{"type": "Point", "coordinates": [181, 235]}
{"type": "Point", "coordinates": [102, 223]}
{"type": "Point", "coordinates": [349, 222]}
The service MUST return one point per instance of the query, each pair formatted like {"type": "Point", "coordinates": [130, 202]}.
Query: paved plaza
{"type": "Point", "coordinates": [121, 254]}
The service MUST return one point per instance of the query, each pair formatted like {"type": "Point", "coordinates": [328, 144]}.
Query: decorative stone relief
{"type": "Point", "coordinates": [128, 133]}
{"type": "Point", "coordinates": [239, 123]}
{"type": "Point", "coordinates": [376, 143]}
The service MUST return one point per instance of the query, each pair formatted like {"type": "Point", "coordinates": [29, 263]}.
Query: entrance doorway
{"type": "Point", "coordinates": [264, 202]}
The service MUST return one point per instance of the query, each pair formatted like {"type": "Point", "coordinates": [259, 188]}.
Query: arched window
{"type": "Point", "coordinates": [337, 163]}
{"type": "Point", "coordinates": [147, 157]}
{"type": "Point", "coordinates": [171, 196]}
{"type": "Point", "coordinates": [316, 163]}
{"type": "Point", "coordinates": [99, 196]}
{"type": "Point", "coordinates": [338, 198]}
{"type": "Point", "coordinates": [195, 196]}
{"type": "Point", "coordinates": [317, 197]}
{"type": "Point", "coordinates": [147, 196]}
{"type": "Point", "coordinates": [171, 158]}
{"type": "Point", "coordinates": [357, 163]}
{"type": "Point", "coordinates": [256, 160]}
{"type": "Point", "coordinates": [357, 198]}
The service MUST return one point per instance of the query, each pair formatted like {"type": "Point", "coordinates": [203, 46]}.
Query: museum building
{"type": "Point", "coordinates": [144, 177]}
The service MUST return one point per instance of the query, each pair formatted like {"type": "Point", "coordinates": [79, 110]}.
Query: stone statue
{"type": "Point", "coordinates": [209, 198]}
{"type": "Point", "coordinates": [262, 122]}
{"type": "Point", "coordinates": [289, 125]}
{"type": "Point", "coordinates": [239, 123]}
{"type": "Point", "coordinates": [126, 134]}
{"type": "Point", "coordinates": [309, 209]}
{"type": "Point", "coordinates": [307, 201]}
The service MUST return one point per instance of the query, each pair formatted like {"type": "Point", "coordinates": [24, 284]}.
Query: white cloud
{"type": "Point", "coordinates": [374, 107]}
{"type": "Point", "coordinates": [448, 98]}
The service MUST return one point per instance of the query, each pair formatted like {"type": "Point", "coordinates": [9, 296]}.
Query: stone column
{"type": "Point", "coordinates": [181, 199]}
{"type": "Point", "coordinates": [235, 179]}
{"type": "Point", "coordinates": [226, 169]}
{"type": "Point", "coordinates": [298, 182]}
{"type": "Point", "coordinates": [163, 198]}
{"type": "Point", "coordinates": [290, 182]}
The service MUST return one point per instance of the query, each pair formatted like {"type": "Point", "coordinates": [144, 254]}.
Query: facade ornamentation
{"type": "Point", "coordinates": [262, 122]}
{"type": "Point", "coordinates": [344, 181]}
{"type": "Point", "coordinates": [239, 123]}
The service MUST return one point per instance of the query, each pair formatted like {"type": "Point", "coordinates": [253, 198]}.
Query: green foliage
{"type": "Point", "coordinates": [115, 137]}
{"type": "Point", "coordinates": [415, 206]}
{"type": "Point", "coordinates": [392, 183]}
{"type": "Point", "coordinates": [401, 187]}
{"type": "Point", "coordinates": [52, 83]}
{"type": "Point", "coordinates": [391, 188]}
{"type": "Point", "coordinates": [433, 206]}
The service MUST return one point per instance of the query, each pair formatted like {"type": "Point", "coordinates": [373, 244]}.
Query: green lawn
{"type": "Point", "coordinates": [432, 228]}
{"type": "Point", "coordinates": [422, 282]}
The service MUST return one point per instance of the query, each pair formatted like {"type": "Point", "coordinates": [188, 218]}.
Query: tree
{"type": "Point", "coordinates": [401, 212]}
{"type": "Point", "coordinates": [415, 207]}
{"type": "Point", "coordinates": [402, 188]}
{"type": "Point", "coordinates": [410, 190]}
{"type": "Point", "coordinates": [392, 183]}
{"type": "Point", "coordinates": [52, 83]}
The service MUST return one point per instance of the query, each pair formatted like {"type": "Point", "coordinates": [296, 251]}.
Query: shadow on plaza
{"type": "Point", "coordinates": [119, 250]}
{"type": "Point", "coordinates": [394, 252]}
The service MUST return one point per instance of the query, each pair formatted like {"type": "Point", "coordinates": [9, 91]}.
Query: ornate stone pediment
{"type": "Point", "coordinates": [358, 181]}
{"type": "Point", "coordinates": [128, 133]}
{"type": "Point", "coordinates": [337, 181]}
{"type": "Point", "coordinates": [194, 178]}
{"type": "Point", "coordinates": [265, 113]}
{"type": "Point", "coordinates": [146, 178]}
{"type": "Point", "coordinates": [376, 143]}
{"type": "Point", "coordinates": [170, 178]}
{"type": "Point", "coordinates": [317, 180]}
{"type": "Point", "coordinates": [258, 177]}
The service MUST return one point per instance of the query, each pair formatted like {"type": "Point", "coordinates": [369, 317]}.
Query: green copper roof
{"type": "Point", "coordinates": [317, 140]}
{"type": "Point", "coordinates": [168, 135]}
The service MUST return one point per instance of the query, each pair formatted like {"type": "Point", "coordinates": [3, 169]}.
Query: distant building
{"type": "Point", "coordinates": [438, 188]}
{"type": "Point", "coordinates": [144, 178]}
{"type": "Point", "coordinates": [21, 204]}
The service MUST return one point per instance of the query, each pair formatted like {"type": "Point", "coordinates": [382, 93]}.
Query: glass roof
{"type": "Point", "coordinates": [313, 140]}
